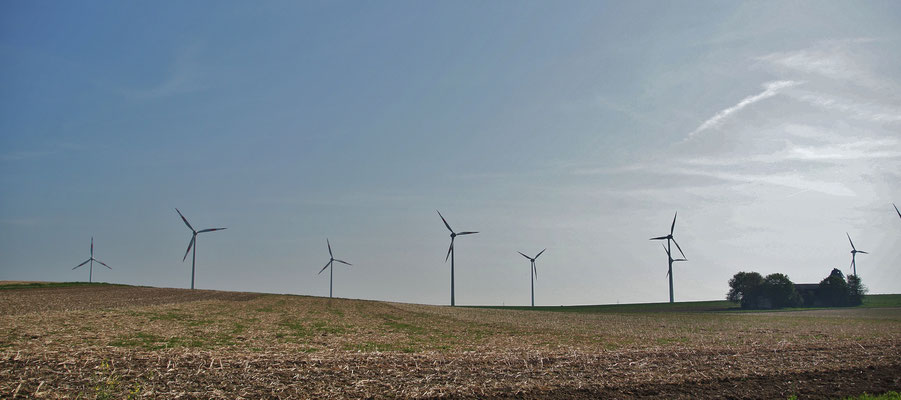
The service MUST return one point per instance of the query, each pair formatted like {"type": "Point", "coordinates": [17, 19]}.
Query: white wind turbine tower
{"type": "Point", "coordinates": [193, 243]}
{"type": "Point", "coordinates": [534, 272]}
{"type": "Point", "coordinates": [450, 251]}
{"type": "Point", "coordinates": [91, 260]}
{"type": "Point", "coordinates": [669, 238]}
{"type": "Point", "coordinates": [329, 264]}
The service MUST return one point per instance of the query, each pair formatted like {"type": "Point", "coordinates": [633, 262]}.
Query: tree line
{"type": "Point", "coordinates": [754, 291]}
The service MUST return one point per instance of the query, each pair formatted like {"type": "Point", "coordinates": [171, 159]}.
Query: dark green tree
{"type": "Point", "coordinates": [779, 291]}
{"type": "Point", "coordinates": [745, 288]}
{"type": "Point", "coordinates": [856, 290]}
{"type": "Point", "coordinates": [833, 290]}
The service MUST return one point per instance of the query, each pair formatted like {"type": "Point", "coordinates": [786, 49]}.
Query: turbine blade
{"type": "Point", "coordinates": [896, 209]}
{"type": "Point", "coordinates": [678, 247]}
{"type": "Point", "coordinates": [679, 259]}
{"type": "Point", "coordinates": [466, 233]}
{"type": "Point", "coordinates": [539, 254]}
{"type": "Point", "coordinates": [852, 263]}
{"type": "Point", "coordinates": [862, 252]}
{"type": "Point", "coordinates": [191, 244]}
{"type": "Point", "coordinates": [343, 262]}
{"type": "Point", "coordinates": [186, 220]}
{"type": "Point", "coordinates": [664, 248]}
{"type": "Point", "coordinates": [673, 228]}
{"type": "Point", "coordinates": [326, 266]}
{"type": "Point", "coordinates": [658, 238]}
{"type": "Point", "coordinates": [667, 273]}
{"type": "Point", "coordinates": [212, 230]}
{"type": "Point", "coordinates": [101, 263]}
{"type": "Point", "coordinates": [86, 261]}
{"type": "Point", "coordinates": [852, 243]}
{"type": "Point", "coordinates": [535, 270]}
{"type": "Point", "coordinates": [530, 258]}
{"type": "Point", "coordinates": [445, 221]}
{"type": "Point", "coordinates": [329, 248]}
{"type": "Point", "coordinates": [92, 246]}
{"type": "Point", "coordinates": [449, 250]}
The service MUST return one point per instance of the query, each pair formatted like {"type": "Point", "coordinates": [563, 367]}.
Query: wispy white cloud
{"type": "Point", "coordinates": [770, 89]}
{"type": "Point", "coordinates": [856, 149]}
{"type": "Point", "coordinates": [864, 111]}
{"type": "Point", "coordinates": [812, 61]}
{"type": "Point", "coordinates": [714, 169]}
{"type": "Point", "coordinates": [832, 59]}
{"type": "Point", "coordinates": [790, 180]}
{"type": "Point", "coordinates": [577, 170]}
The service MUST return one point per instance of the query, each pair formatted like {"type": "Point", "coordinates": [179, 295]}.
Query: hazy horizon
{"type": "Point", "coordinates": [773, 129]}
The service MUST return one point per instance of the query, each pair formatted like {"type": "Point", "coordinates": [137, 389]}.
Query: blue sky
{"type": "Point", "coordinates": [581, 127]}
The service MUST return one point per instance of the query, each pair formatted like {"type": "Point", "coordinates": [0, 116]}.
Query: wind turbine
{"type": "Point", "coordinates": [91, 260]}
{"type": "Point", "coordinates": [669, 238]}
{"type": "Point", "coordinates": [534, 274]}
{"type": "Point", "coordinates": [193, 243]}
{"type": "Point", "coordinates": [668, 273]}
{"type": "Point", "coordinates": [450, 251]}
{"type": "Point", "coordinates": [854, 252]}
{"type": "Point", "coordinates": [330, 263]}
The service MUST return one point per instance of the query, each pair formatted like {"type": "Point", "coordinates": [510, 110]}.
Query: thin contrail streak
{"type": "Point", "coordinates": [770, 89]}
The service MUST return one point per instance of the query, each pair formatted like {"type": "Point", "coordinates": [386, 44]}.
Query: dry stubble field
{"type": "Point", "coordinates": [106, 341]}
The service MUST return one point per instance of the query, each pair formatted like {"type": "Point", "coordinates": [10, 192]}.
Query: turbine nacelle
{"type": "Point", "coordinates": [854, 249]}
{"type": "Point", "coordinates": [532, 259]}
{"type": "Point", "coordinates": [453, 235]}
{"type": "Point", "coordinates": [669, 237]}
{"type": "Point", "coordinates": [534, 271]}
{"type": "Point", "coordinates": [332, 258]}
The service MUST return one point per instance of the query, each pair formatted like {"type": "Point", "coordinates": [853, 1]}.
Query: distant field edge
{"type": "Point", "coordinates": [870, 301]}
{"type": "Point", "coordinates": [13, 285]}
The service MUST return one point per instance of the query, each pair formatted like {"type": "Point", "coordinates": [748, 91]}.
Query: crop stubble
{"type": "Point", "coordinates": [169, 343]}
